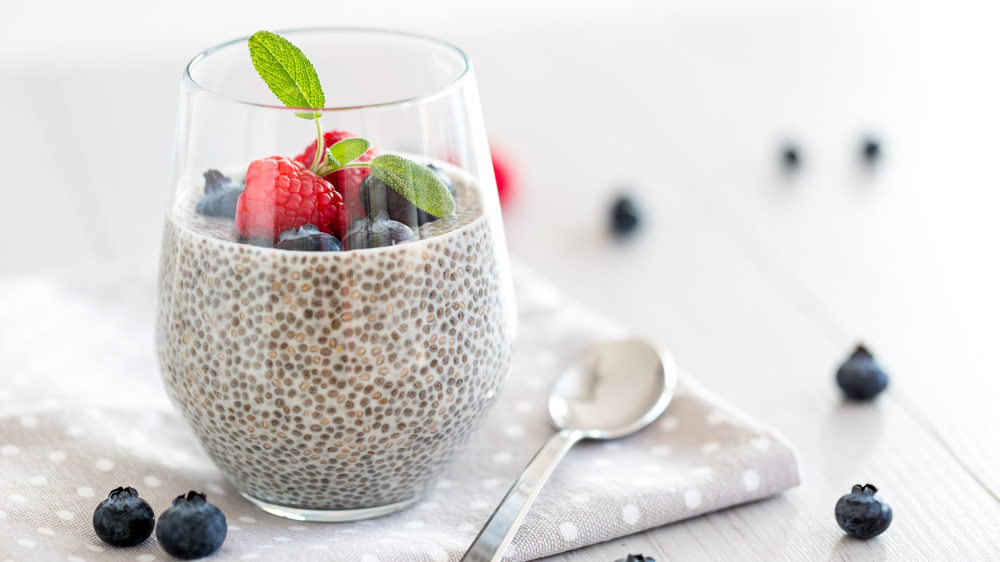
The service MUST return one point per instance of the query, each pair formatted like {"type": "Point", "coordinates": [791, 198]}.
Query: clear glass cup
{"type": "Point", "coordinates": [335, 385]}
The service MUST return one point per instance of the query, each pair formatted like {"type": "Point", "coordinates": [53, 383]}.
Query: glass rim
{"type": "Point", "coordinates": [189, 80]}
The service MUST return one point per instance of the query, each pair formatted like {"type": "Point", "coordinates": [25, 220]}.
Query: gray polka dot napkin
{"type": "Point", "coordinates": [82, 411]}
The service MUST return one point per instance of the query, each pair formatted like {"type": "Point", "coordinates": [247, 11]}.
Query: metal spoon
{"type": "Point", "coordinates": [612, 391]}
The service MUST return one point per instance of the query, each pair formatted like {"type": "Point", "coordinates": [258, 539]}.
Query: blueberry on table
{"type": "Point", "coordinates": [308, 238]}
{"type": "Point", "coordinates": [191, 527]}
{"type": "Point", "coordinates": [863, 513]}
{"type": "Point", "coordinates": [860, 377]}
{"type": "Point", "coordinates": [871, 151]}
{"type": "Point", "coordinates": [790, 157]}
{"type": "Point", "coordinates": [221, 194]}
{"type": "Point", "coordinates": [624, 216]}
{"type": "Point", "coordinates": [124, 519]}
{"type": "Point", "coordinates": [636, 558]}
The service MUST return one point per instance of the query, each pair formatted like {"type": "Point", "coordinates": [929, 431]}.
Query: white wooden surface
{"type": "Point", "coordinates": [760, 283]}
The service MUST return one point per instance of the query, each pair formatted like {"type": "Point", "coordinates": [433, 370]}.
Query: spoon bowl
{"type": "Point", "coordinates": [613, 390]}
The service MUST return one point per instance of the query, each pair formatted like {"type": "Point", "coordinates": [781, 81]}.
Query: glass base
{"type": "Point", "coordinates": [330, 515]}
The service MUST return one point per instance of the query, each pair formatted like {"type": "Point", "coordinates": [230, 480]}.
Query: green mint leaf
{"type": "Point", "coordinates": [347, 150]}
{"type": "Point", "coordinates": [418, 184]}
{"type": "Point", "coordinates": [287, 72]}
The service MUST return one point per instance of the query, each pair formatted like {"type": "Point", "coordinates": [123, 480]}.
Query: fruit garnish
{"type": "Point", "coordinates": [294, 81]}
{"type": "Point", "coordinates": [375, 232]}
{"type": "Point", "coordinates": [308, 238]}
{"type": "Point", "coordinates": [346, 181]}
{"type": "Point", "coordinates": [280, 195]}
{"type": "Point", "coordinates": [221, 194]}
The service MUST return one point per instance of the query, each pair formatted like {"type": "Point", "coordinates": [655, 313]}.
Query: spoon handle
{"type": "Point", "coordinates": [499, 530]}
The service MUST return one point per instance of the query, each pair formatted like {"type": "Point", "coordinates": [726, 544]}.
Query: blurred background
{"type": "Point", "coordinates": [686, 106]}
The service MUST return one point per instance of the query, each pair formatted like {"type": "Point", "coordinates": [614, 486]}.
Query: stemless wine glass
{"type": "Point", "coordinates": [334, 385]}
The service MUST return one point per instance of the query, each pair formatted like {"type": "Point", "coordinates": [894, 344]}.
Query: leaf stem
{"type": "Point", "coordinates": [319, 146]}
{"type": "Point", "coordinates": [324, 169]}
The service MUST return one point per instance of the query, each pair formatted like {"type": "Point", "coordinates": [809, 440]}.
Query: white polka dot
{"type": "Point", "coordinates": [105, 465]}
{"type": "Point", "coordinates": [215, 489]}
{"type": "Point", "coordinates": [26, 542]}
{"type": "Point", "coordinates": [94, 548]}
{"type": "Point", "coordinates": [247, 519]}
{"type": "Point", "coordinates": [438, 555]}
{"type": "Point", "coordinates": [85, 492]}
{"type": "Point", "coordinates": [661, 450]}
{"type": "Point", "coordinates": [319, 547]}
{"type": "Point", "coordinates": [250, 556]}
{"type": "Point", "coordinates": [716, 417]}
{"type": "Point", "coordinates": [711, 447]}
{"type": "Point", "coordinates": [479, 504]}
{"type": "Point", "coordinates": [491, 483]}
{"type": "Point", "coordinates": [568, 531]}
{"type": "Point", "coordinates": [297, 528]}
{"type": "Point", "coordinates": [751, 480]}
{"type": "Point", "coordinates": [75, 559]}
{"type": "Point", "coordinates": [282, 539]}
{"type": "Point", "coordinates": [630, 514]}
{"type": "Point", "coordinates": [94, 412]}
{"type": "Point", "coordinates": [669, 423]}
{"type": "Point", "coordinates": [415, 525]}
{"type": "Point", "coordinates": [145, 558]}
{"type": "Point", "coordinates": [232, 528]}
{"type": "Point", "coordinates": [429, 506]}
{"type": "Point", "coordinates": [46, 531]}
{"type": "Point", "coordinates": [692, 499]}
{"type": "Point", "coordinates": [152, 481]}
{"type": "Point", "coordinates": [3, 514]}
{"type": "Point", "coordinates": [579, 498]}
{"type": "Point", "coordinates": [17, 498]}
{"type": "Point", "coordinates": [761, 443]}
{"type": "Point", "coordinates": [513, 431]}
{"type": "Point", "coordinates": [444, 483]}
{"type": "Point", "coordinates": [65, 514]}
{"type": "Point", "coordinates": [29, 421]}
{"type": "Point", "coordinates": [57, 456]}
{"type": "Point", "coordinates": [74, 431]}
{"type": "Point", "coordinates": [9, 450]}
{"type": "Point", "coordinates": [503, 457]}
{"type": "Point", "coordinates": [38, 480]}
{"type": "Point", "coordinates": [534, 383]}
{"type": "Point", "coordinates": [368, 558]}
{"type": "Point", "coordinates": [467, 528]}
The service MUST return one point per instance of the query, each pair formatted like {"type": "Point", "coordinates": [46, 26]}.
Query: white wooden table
{"type": "Point", "coordinates": [759, 282]}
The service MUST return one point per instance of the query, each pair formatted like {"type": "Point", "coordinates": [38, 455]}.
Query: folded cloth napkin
{"type": "Point", "coordinates": [82, 411]}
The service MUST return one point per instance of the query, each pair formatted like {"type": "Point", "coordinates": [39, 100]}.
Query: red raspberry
{"type": "Point", "coordinates": [504, 172]}
{"type": "Point", "coordinates": [346, 181]}
{"type": "Point", "coordinates": [282, 194]}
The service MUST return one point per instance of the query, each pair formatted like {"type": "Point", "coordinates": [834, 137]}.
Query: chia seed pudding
{"type": "Point", "coordinates": [334, 380]}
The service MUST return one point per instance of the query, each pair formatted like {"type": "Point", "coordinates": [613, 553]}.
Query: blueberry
{"type": "Point", "coordinates": [636, 558]}
{"type": "Point", "coordinates": [860, 377]}
{"type": "Point", "coordinates": [191, 527]}
{"type": "Point", "coordinates": [220, 196]}
{"type": "Point", "coordinates": [308, 238]}
{"type": "Point", "coordinates": [375, 233]}
{"type": "Point", "coordinates": [871, 151]}
{"type": "Point", "coordinates": [124, 519]}
{"type": "Point", "coordinates": [862, 513]}
{"type": "Point", "coordinates": [377, 197]}
{"type": "Point", "coordinates": [624, 216]}
{"type": "Point", "coordinates": [790, 157]}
